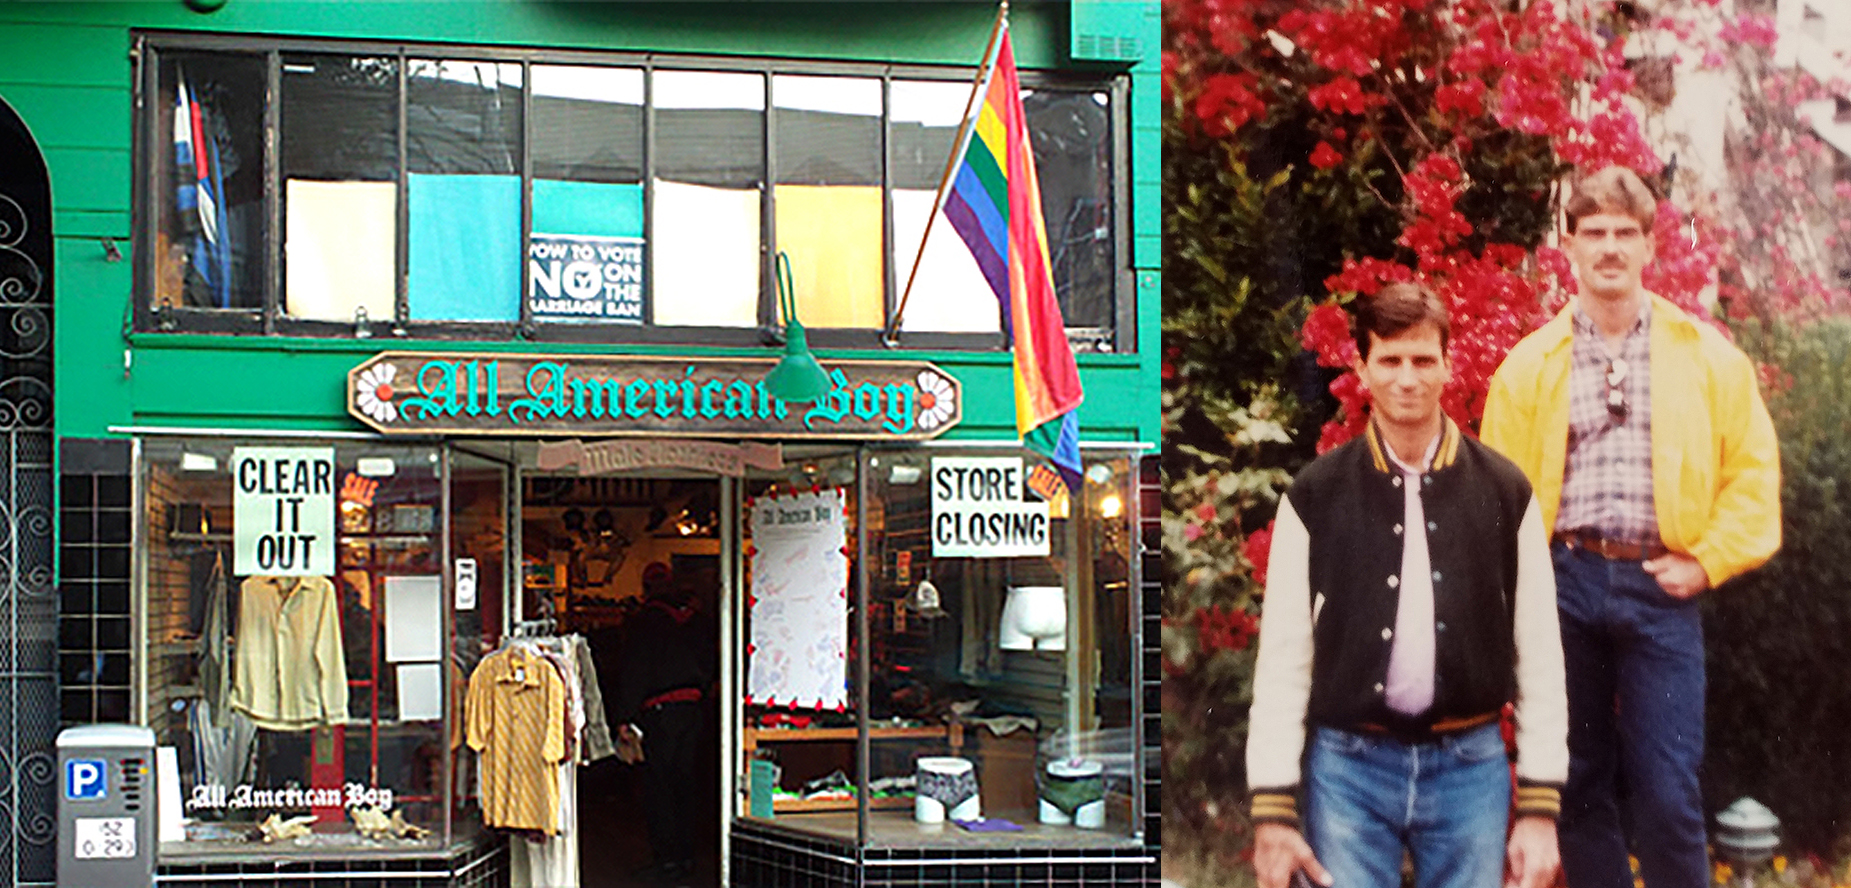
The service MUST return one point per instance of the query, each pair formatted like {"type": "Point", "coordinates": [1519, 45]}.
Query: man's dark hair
{"type": "Point", "coordinates": [1394, 310]}
{"type": "Point", "coordinates": [1615, 189]}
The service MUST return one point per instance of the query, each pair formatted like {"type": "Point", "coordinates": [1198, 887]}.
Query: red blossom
{"type": "Point", "coordinates": [1225, 629]}
{"type": "Point", "coordinates": [1343, 94]}
{"type": "Point", "coordinates": [1327, 334]}
{"type": "Point", "coordinates": [1257, 549]}
{"type": "Point", "coordinates": [1464, 97]}
{"type": "Point", "coordinates": [1324, 157]}
{"type": "Point", "coordinates": [1367, 275]}
{"type": "Point", "coordinates": [1226, 102]}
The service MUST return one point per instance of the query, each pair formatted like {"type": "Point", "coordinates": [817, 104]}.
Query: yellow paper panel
{"type": "Point", "coordinates": [832, 234]}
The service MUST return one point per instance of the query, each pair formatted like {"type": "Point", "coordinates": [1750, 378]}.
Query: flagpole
{"type": "Point", "coordinates": [890, 337]}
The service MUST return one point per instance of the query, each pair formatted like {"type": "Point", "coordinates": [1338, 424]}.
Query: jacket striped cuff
{"type": "Point", "coordinates": [1275, 806]}
{"type": "Point", "coordinates": [1539, 800]}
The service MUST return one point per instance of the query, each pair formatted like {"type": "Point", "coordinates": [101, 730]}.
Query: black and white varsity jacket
{"type": "Point", "coordinates": [1331, 599]}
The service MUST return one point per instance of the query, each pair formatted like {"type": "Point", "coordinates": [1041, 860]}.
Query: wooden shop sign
{"type": "Point", "coordinates": [428, 393]}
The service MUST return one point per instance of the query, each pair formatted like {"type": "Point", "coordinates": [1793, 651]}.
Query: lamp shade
{"type": "Point", "coordinates": [797, 377]}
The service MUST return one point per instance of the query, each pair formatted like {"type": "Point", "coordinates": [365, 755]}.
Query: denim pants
{"type": "Point", "coordinates": [1445, 801]}
{"type": "Point", "coordinates": [1634, 657]}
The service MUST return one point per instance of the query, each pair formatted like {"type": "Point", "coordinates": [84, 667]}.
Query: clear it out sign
{"type": "Point", "coordinates": [978, 510]}
{"type": "Point", "coordinates": [283, 511]}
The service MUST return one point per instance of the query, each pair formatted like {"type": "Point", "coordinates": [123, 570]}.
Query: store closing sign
{"type": "Point", "coordinates": [283, 511]}
{"type": "Point", "coordinates": [978, 510]}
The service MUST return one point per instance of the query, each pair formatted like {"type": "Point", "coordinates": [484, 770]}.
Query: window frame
{"type": "Point", "coordinates": [269, 320]}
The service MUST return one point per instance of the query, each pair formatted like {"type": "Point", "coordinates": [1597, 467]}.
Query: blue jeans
{"type": "Point", "coordinates": [1446, 801]}
{"type": "Point", "coordinates": [1635, 712]}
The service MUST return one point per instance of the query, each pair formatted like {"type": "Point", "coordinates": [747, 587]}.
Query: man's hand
{"type": "Point", "coordinates": [1279, 851]}
{"type": "Point", "coordinates": [1679, 574]}
{"type": "Point", "coordinates": [1533, 857]}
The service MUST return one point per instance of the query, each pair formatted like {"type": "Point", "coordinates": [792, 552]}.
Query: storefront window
{"type": "Point", "coordinates": [707, 218]}
{"type": "Point", "coordinates": [463, 150]}
{"type": "Point", "coordinates": [207, 174]}
{"type": "Point", "coordinates": [828, 196]}
{"type": "Point", "coordinates": [410, 181]}
{"type": "Point", "coordinates": [587, 194]}
{"type": "Point", "coordinates": [999, 640]}
{"type": "Point", "coordinates": [952, 294]}
{"type": "Point", "coordinates": [297, 649]}
{"type": "Point", "coordinates": [340, 186]}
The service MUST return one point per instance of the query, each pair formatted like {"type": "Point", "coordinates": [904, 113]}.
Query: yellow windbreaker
{"type": "Point", "coordinates": [1715, 461]}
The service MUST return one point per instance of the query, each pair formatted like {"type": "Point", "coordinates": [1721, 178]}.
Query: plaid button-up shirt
{"type": "Point", "coordinates": [1607, 483]}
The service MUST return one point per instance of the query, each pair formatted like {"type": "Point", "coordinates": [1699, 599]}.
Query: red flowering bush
{"type": "Point", "coordinates": [1315, 151]}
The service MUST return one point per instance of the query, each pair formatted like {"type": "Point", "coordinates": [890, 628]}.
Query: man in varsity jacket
{"type": "Point", "coordinates": [1409, 597]}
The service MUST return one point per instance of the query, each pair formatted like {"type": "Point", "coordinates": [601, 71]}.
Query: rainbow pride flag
{"type": "Point", "coordinates": [995, 206]}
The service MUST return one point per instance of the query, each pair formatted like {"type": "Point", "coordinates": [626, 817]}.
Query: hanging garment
{"type": "Point", "coordinates": [554, 862]}
{"type": "Point", "coordinates": [291, 674]}
{"type": "Point", "coordinates": [517, 724]}
{"type": "Point", "coordinates": [222, 746]}
{"type": "Point", "coordinates": [214, 658]}
{"type": "Point", "coordinates": [596, 739]}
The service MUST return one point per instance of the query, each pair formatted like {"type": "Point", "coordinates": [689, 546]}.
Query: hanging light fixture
{"type": "Point", "coordinates": [797, 377]}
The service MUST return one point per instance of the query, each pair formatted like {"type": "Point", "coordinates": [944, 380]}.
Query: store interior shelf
{"type": "Point", "coordinates": [951, 734]}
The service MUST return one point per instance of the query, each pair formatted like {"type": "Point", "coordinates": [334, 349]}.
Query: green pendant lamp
{"type": "Point", "coordinates": [798, 377]}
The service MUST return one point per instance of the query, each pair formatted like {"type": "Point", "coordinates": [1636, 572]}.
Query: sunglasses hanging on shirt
{"type": "Point", "coordinates": [1616, 393]}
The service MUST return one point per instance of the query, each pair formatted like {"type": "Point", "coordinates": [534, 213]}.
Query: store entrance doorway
{"type": "Point", "coordinates": [634, 564]}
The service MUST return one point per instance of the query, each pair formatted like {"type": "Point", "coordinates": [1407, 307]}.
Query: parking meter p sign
{"type": "Point", "coordinates": [84, 779]}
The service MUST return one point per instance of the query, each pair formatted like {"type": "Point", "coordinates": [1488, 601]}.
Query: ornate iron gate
{"type": "Point", "coordinates": [28, 600]}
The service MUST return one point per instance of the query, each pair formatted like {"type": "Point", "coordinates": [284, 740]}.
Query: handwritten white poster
{"type": "Point", "coordinates": [799, 653]}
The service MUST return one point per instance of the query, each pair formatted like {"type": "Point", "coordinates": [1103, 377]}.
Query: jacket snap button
{"type": "Point", "coordinates": [1433, 525]}
{"type": "Point", "coordinates": [1397, 530]}
{"type": "Point", "coordinates": [1436, 576]}
{"type": "Point", "coordinates": [1394, 582]}
{"type": "Point", "coordinates": [1428, 480]}
{"type": "Point", "coordinates": [1439, 627]}
{"type": "Point", "coordinates": [1378, 687]}
{"type": "Point", "coordinates": [1387, 633]}
{"type": "Point", "coordinates": [1396, 481]}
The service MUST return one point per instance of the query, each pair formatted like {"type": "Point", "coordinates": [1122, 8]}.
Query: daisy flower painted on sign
{"type": "Point", "coordinates": [374, 393]}
{"type": "Point", "coordinates": [937, 399]}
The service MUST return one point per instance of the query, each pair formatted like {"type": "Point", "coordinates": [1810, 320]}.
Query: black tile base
{"type": "Point", "coordinates": [772, 858]}
{"type": "Point", "coordinates": [483, 864]}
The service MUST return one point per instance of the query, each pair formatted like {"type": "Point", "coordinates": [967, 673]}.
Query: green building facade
{"type": "Point", "coordinates": [486, 291]}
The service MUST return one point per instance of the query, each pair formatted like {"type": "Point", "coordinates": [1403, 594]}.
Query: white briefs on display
{"type": "Point", "coordinates": [1034, 618]}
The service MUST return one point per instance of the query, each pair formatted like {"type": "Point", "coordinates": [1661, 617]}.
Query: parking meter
{"type": "Point", "coordinates": [106, 801]}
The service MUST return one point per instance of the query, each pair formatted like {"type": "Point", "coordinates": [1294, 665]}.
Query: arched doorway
{"type": "Point", "coordinates": [28, 594]}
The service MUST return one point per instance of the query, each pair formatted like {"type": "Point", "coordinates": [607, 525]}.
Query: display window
{"type": "Point", "coordinates": [299, 657]}
{"type": "Point", "coordinates": [970, 682]}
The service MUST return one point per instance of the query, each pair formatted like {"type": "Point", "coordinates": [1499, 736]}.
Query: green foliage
{"type": "Point", "coordinates": [1779, 637]}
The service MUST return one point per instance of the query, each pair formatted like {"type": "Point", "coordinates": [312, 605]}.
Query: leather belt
{"type": "Point", "coordinates": [1438, 729]}
{"type": "Point", "coordinates": [678, 695]}
{"type": "Point", "coordinates": [1611, 550]}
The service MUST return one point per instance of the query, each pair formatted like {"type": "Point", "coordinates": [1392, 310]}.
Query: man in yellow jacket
{"type": "Point", "coordinates": [1644, 435]}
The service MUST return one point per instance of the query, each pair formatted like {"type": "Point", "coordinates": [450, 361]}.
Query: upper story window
{"type": "Point", "coordinates": [332, 189]}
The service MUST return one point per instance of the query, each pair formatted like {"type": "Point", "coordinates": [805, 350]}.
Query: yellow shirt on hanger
{"type": "Point", "coordinates": [290, 674]}
{"type": "Point", "coordinates": [517, 722]}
